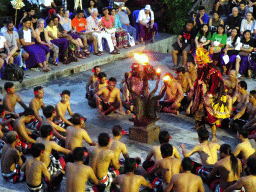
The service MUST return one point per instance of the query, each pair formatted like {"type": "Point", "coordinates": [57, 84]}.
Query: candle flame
{"type": "Point", "coordinates": [158, 70]}
{"type": "Point", "coordinates": [166, 78]}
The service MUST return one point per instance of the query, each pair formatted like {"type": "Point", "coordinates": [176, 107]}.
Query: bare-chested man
{"type": "Point", "coordinates": [89, 86]}
{"type": "Point", "coordinates": [34, 168]}
{"type": "Point", "coordinates": [62, 107]}
{"type": "Point", "coordinates": [248, 182]}
{"type": "Point", "coordinates": [246, 116]}
{"type": "Point", "coordinates": [155, 151]}
{"type": "Point", "coordinates": [19, 126]}
{"type": "Point", "coordinates": [232, 83]}
{"type": "Point", "coordinates": [229, 168]}
{"type": "Point", "coordinates": [11, 98]}
{"type": "Point", "coordinates": [168, 166]}
{"type": "Point", "coordinates": [77, 173]}
{"type": "Point", "coordinates": [4, 128]}
{"type": "Point", "coordinates": [46, 135]}
{"type": "Point", "coordinates": [11, 157]}
{"type": "Point", "coordinates": [206, 149]}
{"type": "Point", "coordinates": [186, 86]}
{"type": "Point", "coordinates": [185, 181]}
{"type": "Point", "coordinates": [37, 103]}
{"type": "Point", "coordinates": [192, 72]}
{"type": "Point", "coordinates": [116, 145]}
{"type": "Point", "coordinates": [244, 148]}
{"type": "Point", "coordinates": [241, 97]}
{"type": "Point", "coordinates": [173, 96]}
{"type": "Point", "coordinates": [108, 98]}
{"type": "Point", "coordinates": [100, 158]}
{"type": "Point", "coordinates": [129, 182]}
{"type": "Point", "coordinates": [76, 134]}
{"type": "Point", "coordinates": [49, 113]}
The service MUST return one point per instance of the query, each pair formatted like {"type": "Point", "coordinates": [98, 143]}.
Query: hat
{"type": "Point", "coordinates": [148, 7]}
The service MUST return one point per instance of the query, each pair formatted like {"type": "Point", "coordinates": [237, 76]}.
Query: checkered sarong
{"type": "Point", "coordinates": [54, 165]}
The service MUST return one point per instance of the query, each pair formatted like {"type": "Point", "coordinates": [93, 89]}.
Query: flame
{"type": "Point", "coordinates": [202, 56]}
{"type": "Point", "coordinates": [141, 58]}
{"type": "Point", "coordinates": [158, 70]}
{"type": "Point", "coordinates": [166, 78]}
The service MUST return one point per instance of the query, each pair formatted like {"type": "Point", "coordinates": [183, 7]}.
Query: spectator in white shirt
{"type": "Point", "coordinates": [93, 25]}
{"type": "Point", "coordinates": [247, 24]}
{"type": "Point", "coordinates": [146, 23]}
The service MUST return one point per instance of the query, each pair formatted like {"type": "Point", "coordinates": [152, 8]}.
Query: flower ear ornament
{"type": "Point", "coordinates": [93, 70]}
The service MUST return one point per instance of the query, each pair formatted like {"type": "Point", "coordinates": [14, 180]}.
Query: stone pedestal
{"type": "Point", "coordinates": [145, 134]}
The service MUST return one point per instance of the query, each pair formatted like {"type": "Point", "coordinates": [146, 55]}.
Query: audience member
{"type": "Point", "coordinates": [4, 28]}
{"type": "Point", "coordinates": [201, 18]}
{"type": "Point", "coordinates": [123, 13]}
{"type": "Point", "coordinates": [247, 23]}
{"type": "Point", "coordinates": [234, 20]}
{"type": "Point", "coordinates": [215, 21]}
{"type": "Point", "coordinates": [92, 5]}
{"type": "Point", "coordinates": [184, 44]}
{"type": "Point", "coordinates": [146, 23]}
{"type": "Point", "coordinates": [5, 53]}
{"type": "Point", "coordinates": [243, 9]}
{"type": "Point", "coordinates": [203, 37]}
{"type": "Point", "coordinates": [94, 27]}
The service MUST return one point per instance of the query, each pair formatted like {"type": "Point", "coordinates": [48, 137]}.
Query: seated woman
{"type": "Point", "coordinates": [146, 23]}
{"type": "Point", "coordinates": [247, 24]}
{"type": "Point", "coordinates": [215, 21]}
{"type": "Point", "coordinates": [108, 22]}
{"type": "Point", "coordinates": [233, 42]}
{"type": "Point", "coordinates": [218, 41]}
{"type": "Point", "coordinates": [203, 37]}
{"type": "Point", "coordinates": [37, 55]}
{"type": "Point", "coordinates": [242, 64]}
{"type": "Point", "coordinates": [92, 5]}
{"type": "Point", "coordinates": [61, 43]}
{"type": "Point", "coordinates": [43, 39]}
{"type": "Point", "coordinates": [121, 34]}
{"type": "Point", "coordinates": [66, 24]}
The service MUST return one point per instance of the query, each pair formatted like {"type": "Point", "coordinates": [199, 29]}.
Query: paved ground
{"type": "Point", "coordinates": [178, 126]}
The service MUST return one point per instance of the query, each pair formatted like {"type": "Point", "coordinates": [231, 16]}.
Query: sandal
{"type": "Point", "coordinates": [85, 50]}
{"type": "Point", "coordinates": [80, 55]}
{"type": "Point", "coordinates": [55, 63]}
{"type": "Point", "coordinates": [101, 52]}
{"type": "Point", "coordinates": [114, 52]}
{"type": "Point", "coordinates": [98, 54]}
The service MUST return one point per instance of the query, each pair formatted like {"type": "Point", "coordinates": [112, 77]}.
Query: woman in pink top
{"type": "Point", "coordinates": [108, 22]}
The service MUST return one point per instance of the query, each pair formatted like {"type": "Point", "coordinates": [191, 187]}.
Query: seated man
{"type": "Point", "coordinates": [123, 13]}
{"type": "Point", "coordinates": [234, 20]}
{"type": "Point", "coordinates": [77, 173]}
{"type": "Point", "coordinates": [61, 109]}
{"type": "Point", "coordinates": [37, 103]}
{"type": "Point", "coordinates": [13, 42]}
{"type": "Point", "coordinates": [24, 133]}
{"type": "Point", "coordinates": [10, 158]}
{"type": "Point", "coordinates": [79, 24]}
{"type": "Point", "coordinates": [100, 158]}
{"type": "Point", "coordinates": [229, 168]}
{"type": "Point", "coordinates": [34, 168]}
{"type": "Point", "coordinates": [90, 83]}
{"type": "Point", "coordinates": [201, 18]}
{"type": "Point", "coordinates": [167, 167]}
{"type": "Point", "coordinates": [108, 98]}
{"type": "Point", "coordinates": [246, 117]}
{"type": "Point", "coordinates": [207, 151]}
{"type": "Point", "coordinates": [94, 27]}
{"type": "Point", "coordinates": [232, 83]}
{"type": "Point", "coordinates": [4, 125]}
{"type": "Point", "coordinates": [185, 181]}
{"type": "Point", "coordinates": [247, 182]}
{"type": "Point", "coordinates": [76, 134]}
{"type": "Point", "coordinates": [11, 98]}
{"type": "Point", "coordinates": [102, 81]}
{"type": "Point", "coordinates": [155, 152]}
{"type": "Point", "coordinates": [53, 165]}
{"type": "Point", "coordinates": [184, 44]}
{"type": "Point", "coordinates": [173, 96]}
{"type": "Point", "coordinates": [192, 72]}
{"type": "Point", "coordinates": [186, 86]}
{"type": "Point", "coordinates": [244, 148]}
{"type": "Point", "coordinates": [49, 113]}
{"type": "Point", "coordinates": [5, 53]}
{"type": "Point", "coordinates": [125, 180]}
{"type": "Point", "coordinates": [241, 97]}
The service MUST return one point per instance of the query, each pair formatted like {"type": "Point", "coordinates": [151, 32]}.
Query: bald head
{"type": "Point", "coordinates": [11, 137]}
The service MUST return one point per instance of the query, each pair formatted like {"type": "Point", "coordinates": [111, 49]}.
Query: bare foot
{"type": "Point", "coordinates": [188, 111]}
{"type": "Point", "coordinates": [46, 69]}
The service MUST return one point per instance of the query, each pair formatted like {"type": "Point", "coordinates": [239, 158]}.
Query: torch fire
{"type": "Point", "coordinates": [166, 78]}
{"type": "Point", "coordinates": [158, 70]}
{"type": "Point", "coordinates": [141, 58]}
